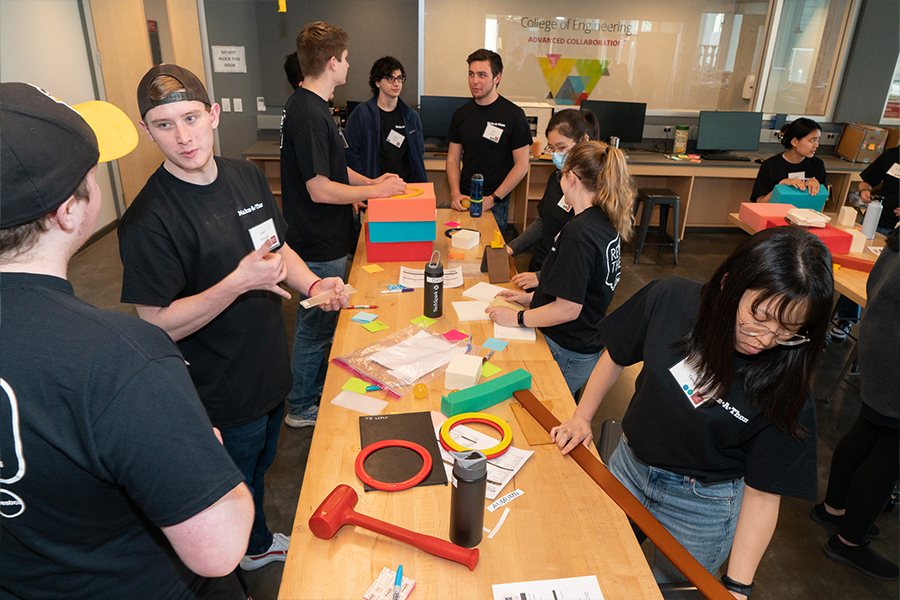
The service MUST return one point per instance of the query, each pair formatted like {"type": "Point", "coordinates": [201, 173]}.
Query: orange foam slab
{"type": "Point", "coordinates": [417, 204]}
{"type": "Point", "coordinates": [755, 214]}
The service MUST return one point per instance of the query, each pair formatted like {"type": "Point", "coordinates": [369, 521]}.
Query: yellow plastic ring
{"type": "Point", "coordinates": [497, 423]}
{"type": "Point", "coordinates": [408, 194]}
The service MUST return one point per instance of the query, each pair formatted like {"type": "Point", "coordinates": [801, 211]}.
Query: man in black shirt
{"type": "Point", "coordinates": [490, 135]}
{"type": "Point", "coordinates": [318, 194]}
{"type": "Point", "coordinates": [128, 493]}
{"type": "Point", "coordinates": [884, 170]}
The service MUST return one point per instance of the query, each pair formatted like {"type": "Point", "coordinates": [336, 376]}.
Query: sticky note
{"type": "Point", "coordinates": [427, 320]}
{"type": "Point", "coordinates": [489, 370]}
{"type": "Point", "coordinates": [451, 224]}
{"type": "Point", "coordinates": [495, 344]}
{"type": "Point", "coordinates": [454, 255]}
{"type": "Point", "coordinates": [363, 317]}
{"type": "Point", "coordinates": [355, 384]}
{"type": "Point", "coordinates": [455, 335]}
{"type": "Point", "coordinates": [372, 268]}
{"type": "Point", "coordinates": [375, 326]}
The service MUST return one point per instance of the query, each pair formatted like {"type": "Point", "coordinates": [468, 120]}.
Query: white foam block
{"type": "Point", "coordinates": [501, 332]}
{"type": "Point", "coordinates": [847, 216]}
{"type": "Point", "coordinates": [471, 311]}
{"type": "Point", "coordinates": [463, 372]}
{"type": "Point", "coordinates": [483, 291]}
{"type": "Point", "coordinates": [465, 239]}
{"type": "Point", "coordinates": [859, 240]}
{"type": "Point", "coordinates": [359, 402]}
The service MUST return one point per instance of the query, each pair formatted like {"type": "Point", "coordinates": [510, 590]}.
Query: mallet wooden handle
{"type": "Point", "coordinates": [708, 585]}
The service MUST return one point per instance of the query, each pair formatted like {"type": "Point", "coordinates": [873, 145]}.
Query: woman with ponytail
{"type": "Point", "coordinates": [582, 269]}
{"type": "Point", "coordinates": [565, 129]}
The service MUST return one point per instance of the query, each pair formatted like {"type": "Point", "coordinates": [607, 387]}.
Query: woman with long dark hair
{"type": "Point", "coordinates": [722, 422]}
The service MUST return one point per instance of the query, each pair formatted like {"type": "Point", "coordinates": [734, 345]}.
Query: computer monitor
{"type": "Point", "coordinates": [624, 120]}
{"type": "Point", "coordinates": [436, 112]}
{"type": "Point", "coordinates": [729, 130]}
{"type": "Point", "coordinates": [351, 106]}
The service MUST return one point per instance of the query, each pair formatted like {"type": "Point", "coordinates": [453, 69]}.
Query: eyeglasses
{"type": "Point", "coordinates": [559, 175]}
{"type": "Point", "coordinates": [391, 79]}
{"type": "Point", "coordinates": [754, 329]}
{"type": "Point", "coordinates": [548, 149]}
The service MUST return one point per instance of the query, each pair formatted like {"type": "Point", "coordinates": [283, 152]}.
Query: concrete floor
{"type": "Point", "coordinates": [794, 565]}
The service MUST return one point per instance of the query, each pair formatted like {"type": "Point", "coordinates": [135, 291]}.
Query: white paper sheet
{"type": "Point", "coordinates": [582, 588]}
{"type": "Point", "coordinates": [415, 278]}
{"type": "Point", "coordinates": [359, 402]}
{"type": "Point", "coordinates": [483, 291]}
{"type": "Point", "coordinates": [471, 311]}
{"type": "Point", "coordinates": [420, 354]}
{"type": "Point", "coordinates": [501, 332]}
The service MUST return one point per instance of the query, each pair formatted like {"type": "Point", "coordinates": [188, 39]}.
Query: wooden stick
{"type": "Point", "coordinates": [708, 585]}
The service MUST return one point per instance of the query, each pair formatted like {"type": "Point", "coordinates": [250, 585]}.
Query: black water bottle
{"type": "Point", "coordinates": [434, 287]}
{"type": "Point", "coordinates": [467, 498]}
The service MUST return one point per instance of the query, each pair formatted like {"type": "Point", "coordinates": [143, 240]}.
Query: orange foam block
{"type": "Point", "coordinates": [417, 204]}
{"type": "Point", "coordinates": [755, 214]}
{"type": "Point", "coordinates": [851, 262]}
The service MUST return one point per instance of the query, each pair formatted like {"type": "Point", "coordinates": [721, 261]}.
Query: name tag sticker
{"type": "Point", "coordinates": [684, 375]}
{"type": "Point", "coordinates": [562, 204]}
{"type": "Point", "coordinates": [395, 138]}
{"type": "Point", "coordinates": [264, 232]}
{"type": "Point", "coordinates": [894, 171]}
{"type": "Point", "coordinates": [493, 133]}
{"type": "Point", "coordinates": [801, 175]}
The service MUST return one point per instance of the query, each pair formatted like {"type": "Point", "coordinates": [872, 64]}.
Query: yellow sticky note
{"type": "Point", "coordinates": [282, 5]}
{"type": "Point", "coordinates": [375, 325]}
{"type": "Point", "coordinates": [355, 384]}
{"type": "Point", "coordinates": [373, 268]}
{"type": "Point", "coordinates": [489, 370]}
{"type": "Point", "coordinates": [427, 320]}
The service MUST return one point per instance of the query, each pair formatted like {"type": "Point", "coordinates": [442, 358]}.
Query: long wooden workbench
{"type": "Point", "coordinates": [563, 526]}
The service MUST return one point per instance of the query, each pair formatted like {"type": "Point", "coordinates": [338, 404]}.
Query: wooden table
{"type": "Point", "coordinates": [563, 526]}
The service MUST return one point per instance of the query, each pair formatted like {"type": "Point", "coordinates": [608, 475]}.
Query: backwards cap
{"type": "Point", "coordinates": [193, 88]}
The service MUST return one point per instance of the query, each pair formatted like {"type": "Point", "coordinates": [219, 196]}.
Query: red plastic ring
{"type": "Point", "coordinates": [401, 485]}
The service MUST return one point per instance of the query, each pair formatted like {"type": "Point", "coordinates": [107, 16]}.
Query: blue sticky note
{"type": "Point", "coordinates": [493, 344]}
{"type": "Point", "coordinates": [364, 317]}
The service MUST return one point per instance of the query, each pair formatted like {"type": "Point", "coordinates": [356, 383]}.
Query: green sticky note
{"type": "Point", "coordinates": [428, 320]}
{"type": "Point", "coordinates": [374, 326]}
{"type": "Point", "coordinates": [355, 384]}
{"type": "Point", "coordinates": [489, 370]}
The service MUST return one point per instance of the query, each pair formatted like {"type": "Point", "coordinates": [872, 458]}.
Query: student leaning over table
{"type": "Point", "coordinates": [722, 421]}
{"type": "Point", "coordinates": [582, 270]}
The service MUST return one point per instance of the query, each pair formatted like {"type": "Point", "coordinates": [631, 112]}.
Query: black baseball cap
{"type": "Point", "coordinates": [193, 87]}
{"type": "Point", "coordinates": [47, 148]}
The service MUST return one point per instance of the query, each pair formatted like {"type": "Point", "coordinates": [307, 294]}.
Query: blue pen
{"type": "Point", "coordinates": [397, 581]}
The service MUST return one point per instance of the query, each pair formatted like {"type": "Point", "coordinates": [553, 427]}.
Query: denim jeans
{"type": "Point", "coordinates": [846, 309]}
{"type": "Point", "coordinates": [501, 215]}
{"type": "Point", "coordinates": [313, 334]}
{"type": "Point", "coordinates": [252, 448]}
{"type": "Point", "coordinates": [702, 517]}
{"type": "Point", "coordinates": [576, 367]}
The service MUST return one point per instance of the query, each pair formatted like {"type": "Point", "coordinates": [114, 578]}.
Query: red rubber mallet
{"type": "Point", "coordinates": [337, 510]}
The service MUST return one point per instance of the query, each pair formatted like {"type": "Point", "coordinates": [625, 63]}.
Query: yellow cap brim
{"type": "Point", "coordinates": [116, 134]}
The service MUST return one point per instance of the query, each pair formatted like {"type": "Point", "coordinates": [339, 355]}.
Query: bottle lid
{"type": "Point", "coordinates": [478, 176]}
{"type": "Point", "coordinates": [471, 464]}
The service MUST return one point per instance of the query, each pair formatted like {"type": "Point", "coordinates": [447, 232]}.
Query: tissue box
{"type": "Point", "coordinates": [755, 214]}
{"type": "Point", "coordinates": [417, 204]}
{"type": "Point", "coordinates": [465, 239]}
{"type": "Point", "coordinates": [786, 194]}
{"type": "Point", "coordinates": [463, 372]}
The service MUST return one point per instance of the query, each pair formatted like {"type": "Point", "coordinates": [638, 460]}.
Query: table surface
{"type": "Point", "coordinates": [849, 282]}
{"type": "Point", "coordinates": [563, 526]}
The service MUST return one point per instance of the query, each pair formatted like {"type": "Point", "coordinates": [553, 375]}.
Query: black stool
{"type": "Point", "coordinates": [656, 197]}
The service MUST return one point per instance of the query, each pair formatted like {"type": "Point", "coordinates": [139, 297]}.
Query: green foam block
{"type": "Point", "coordinates": [489, 393]}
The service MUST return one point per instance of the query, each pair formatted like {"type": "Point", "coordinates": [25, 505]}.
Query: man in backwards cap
{"type": "Point", "coordinates": [203, 250]}
{"type": "Point", "coordinates": [114, 484]}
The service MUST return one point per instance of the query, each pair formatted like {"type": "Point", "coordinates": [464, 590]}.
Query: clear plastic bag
{"type": "Point", "coordinates": [415, 354]}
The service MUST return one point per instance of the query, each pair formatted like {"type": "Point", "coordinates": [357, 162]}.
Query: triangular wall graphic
{"type": "Point", "coordinates": [569, 88]}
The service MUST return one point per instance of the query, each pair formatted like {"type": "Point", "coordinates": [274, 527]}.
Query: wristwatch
{"type": "Point", "coordinates": [520, 318]}
{"type": "Point", "coordinates": [495, 198]}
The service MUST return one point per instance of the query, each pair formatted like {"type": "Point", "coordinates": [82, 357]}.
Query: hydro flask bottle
{"type": "Point", "coordinates": [467, 498]}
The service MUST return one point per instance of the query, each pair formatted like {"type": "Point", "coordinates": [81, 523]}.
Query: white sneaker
{"type": "Point", "coordinates": [276, 552]}
{"type": "Point", "coordinates": [307, 419]}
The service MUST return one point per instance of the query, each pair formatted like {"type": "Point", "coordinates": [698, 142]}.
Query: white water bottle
{"type": "Point", "coordinates": [870, 222]}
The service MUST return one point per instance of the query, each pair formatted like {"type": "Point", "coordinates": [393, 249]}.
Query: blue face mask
{"type": "Point", "coordinates": [559, 159]}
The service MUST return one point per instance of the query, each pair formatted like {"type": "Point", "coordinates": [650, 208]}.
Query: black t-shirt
{"type": "Point", "coordinates": [877, 173]}
{"type": "Point", "coordinates": [493, 159]}
{"type": "Point", "coordinates": [583, 267]}
{"type": "Point", "coordinates": [100, 407]}
{"type": "Point", "coordinates": [179, 239]}
{"type": "Point", "coordinates": [553, 217]}
{"type": "Point", "coordinates": [775, 168]}
{"type": "Point", "coordinates": [712, 442]}
{"type": "Point", "coordinates": [392, 152]}
{"type": "Point", "coordinates": [312, 145]}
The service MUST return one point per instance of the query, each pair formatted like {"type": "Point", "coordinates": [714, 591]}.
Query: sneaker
{"type": "Point", "coordinates": [820, 515]}
{"type": "Point", "coordinates": [276, 552]}
{"type": "Point", "coordinates": [304, 419]}
{"type": "Point", "coordinates": [840, 331]}
{"type": "Point", "coordinates": [861, 557]}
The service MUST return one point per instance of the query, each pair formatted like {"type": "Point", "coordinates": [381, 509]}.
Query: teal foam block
{"type": "Point", "coordinates": [787, 194]}
{"type": "Point", "coordinates": [402, 231]}
{"type": "Point", "coordinates": [483, 395]}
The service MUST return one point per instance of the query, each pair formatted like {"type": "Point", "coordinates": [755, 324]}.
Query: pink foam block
{"type": "Point", "coordinates": [755, 214]}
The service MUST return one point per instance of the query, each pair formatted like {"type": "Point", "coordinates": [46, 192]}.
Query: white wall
{"type": "Point", "coordinates": [42, 43]}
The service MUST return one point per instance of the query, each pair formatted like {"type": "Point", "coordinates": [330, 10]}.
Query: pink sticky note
{"type": "Point", "coordinates": [454, 335]}
{"type": "Point", "coordinates": [451, 224]}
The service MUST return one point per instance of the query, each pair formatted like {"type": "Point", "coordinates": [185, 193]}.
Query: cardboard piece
{"type": "Point", "coordinates": [463, 372]}
{"type": "Point", "coordinates": [847, 216]}
{"type": "Point", "coordinates": [384, 232]}
{"type": "Point", "coordinates": [416, 204]}
{"type": "Point", "coordinates": [397, 251]}
{"type": "Point", "coordinates": [535, 435]}
{"type": "Point", "coordinates": [485, 394]}
{"type": "Point", "coordinates": [399, 464]}
{"type": "Point", "coordinates": [465, 239]}
{"type": "Point", "coordinates": [504, 302]}
{"type": "Point", "coordinates": [325, 297]}
{"type": "Point", "coordinates": [755, 214]}
{"type": "Point", "coordinates": [495, 262]}
{"type": "Point", "coordinates": [861, 143]}
{"type": "Point", "coordinates": [788, 194]}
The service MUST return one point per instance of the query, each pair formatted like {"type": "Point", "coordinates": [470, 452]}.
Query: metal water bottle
{"type": "Point", "coordinates": [476, 195]}
{"type": "Point", "coordinates": [434, 287]}
{"type": "Point", "coordinates": [870, 221]}
{"type": "Point", "coordinates": [467, 498]}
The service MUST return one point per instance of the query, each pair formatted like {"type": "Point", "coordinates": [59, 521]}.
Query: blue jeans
{"type": "Point", "coordinates": [576, 367]}
{"type": "Point", "coordinates": [313, 334]}
{"type": "Point", "coordinates": [846, 309]}
{"type": "Point", "coordinates": [501, 215]}
{"type": "Point", "coordinates": [252, 448]}
{"type": "Point", "coordinates": [702, 517]}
